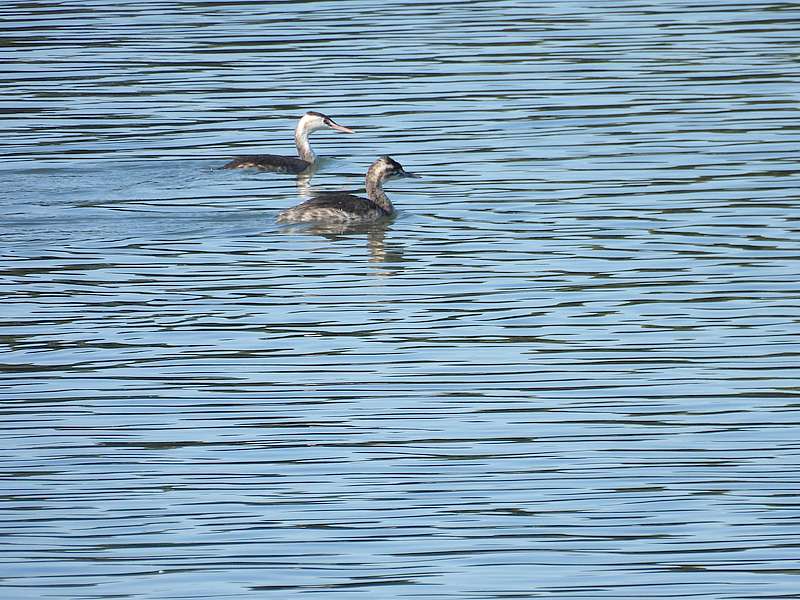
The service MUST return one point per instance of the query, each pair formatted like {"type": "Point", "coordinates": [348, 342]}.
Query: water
{"type": "Point", "coordinates": [568, 368]}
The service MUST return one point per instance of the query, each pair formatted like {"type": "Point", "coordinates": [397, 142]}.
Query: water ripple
{"type": "Point", "coordinates": [567, 369]}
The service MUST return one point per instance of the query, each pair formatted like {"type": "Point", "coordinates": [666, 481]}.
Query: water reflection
{"type": "Point", "coordinates": [304, 188]}
{"type": "Point", "coordinates": [567, 369]}
{"type": "Point", "coordinates": [374, 235]}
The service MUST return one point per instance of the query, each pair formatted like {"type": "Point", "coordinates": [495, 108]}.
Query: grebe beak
{"type": "Point", "coordinates": [338, 127]}
{"type": "Point", "coordinates": [407, 174]}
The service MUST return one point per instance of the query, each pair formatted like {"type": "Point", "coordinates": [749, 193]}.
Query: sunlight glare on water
{"type": "Point", "coordinates": [567, 369]}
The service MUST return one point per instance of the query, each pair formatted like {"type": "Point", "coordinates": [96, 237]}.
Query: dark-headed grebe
{"type": "Point", "coordinates": [311, 121]}
{"type": "Point", "coordinates": [341, 207]}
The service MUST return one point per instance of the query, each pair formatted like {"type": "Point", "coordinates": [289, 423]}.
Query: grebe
{"type": "Point", "coordinates": [341, 207]}
{"type": "Point", "coordinates": [311, 121]}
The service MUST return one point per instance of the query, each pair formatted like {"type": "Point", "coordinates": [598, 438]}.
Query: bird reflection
{"type": "Point", "coordinates": [304, 188]}
{"type": "Point", "coordinates": [379, 250]}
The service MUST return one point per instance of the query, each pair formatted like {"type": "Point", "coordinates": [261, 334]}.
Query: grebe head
{"type": "Point", "coordinates": [312, 120]}
{"type": "Point", "coordinates": [386, 168]}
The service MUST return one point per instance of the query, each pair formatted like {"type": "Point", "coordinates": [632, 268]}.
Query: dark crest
{"type": "Point", "coordinates": [325, 118]}
{"type": "Point", "coordinates": [392, 162]}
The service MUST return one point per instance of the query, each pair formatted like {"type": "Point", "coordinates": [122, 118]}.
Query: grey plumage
{"type": "Point", "coordinates": [334, 206]}
{"type": "Point", "coordinates": [342, 207]}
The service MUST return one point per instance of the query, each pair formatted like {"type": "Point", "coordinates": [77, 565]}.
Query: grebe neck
{"type": "Point", "coordinates": [375, 191]}
{"type": "Point", "coordinates": [304, 150]}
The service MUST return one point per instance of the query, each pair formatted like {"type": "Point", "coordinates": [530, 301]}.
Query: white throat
{"type": "Point", "coordinates": [304, 151]}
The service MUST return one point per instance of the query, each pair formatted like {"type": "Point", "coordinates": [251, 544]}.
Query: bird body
{"type": "Point", "coordinates": [269, 162]}
{"type": "Point", "coordinates": [308, 123]}
{"type": "Point", "coordinates": [335, 207]}
{"type": "Point", "coordinates": [342, 207]}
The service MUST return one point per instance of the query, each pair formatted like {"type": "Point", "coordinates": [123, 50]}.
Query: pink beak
{"type": "Point", "coordinates": [341, 128]}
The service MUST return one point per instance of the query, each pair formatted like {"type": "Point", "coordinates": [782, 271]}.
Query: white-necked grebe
{"type": "Point", "coordinates": [341, 207]}
{"type": "Point", "coordinates": [309, 122]}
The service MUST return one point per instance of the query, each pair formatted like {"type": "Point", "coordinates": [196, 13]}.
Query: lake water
{"type": "Point", "coordinates": [568, 369]}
